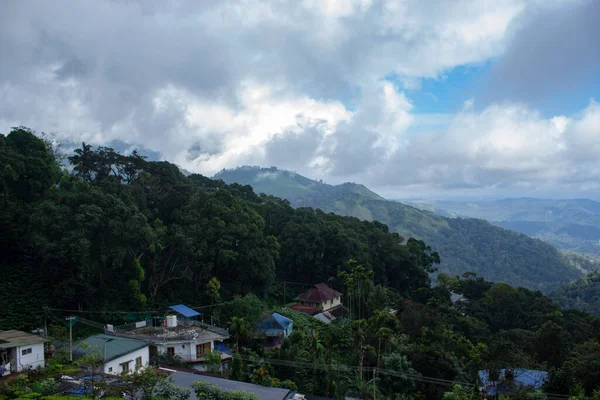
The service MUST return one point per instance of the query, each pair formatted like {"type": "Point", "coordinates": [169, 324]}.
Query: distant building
{"type": "Point", "coordinates": [276, 327]}
{"type": "Point", "coordinates": [20, 351]}
{"type": "Point", "coordinates": [510, 381]}
{"type": "Point", "coordinates": [119, 354]}
{"type": "Point", "coordinates": [178, 334]}
{"type": "Point", "coordinates": [322, 302]}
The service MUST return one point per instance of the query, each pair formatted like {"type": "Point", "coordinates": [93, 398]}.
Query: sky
{"type": "Point", "coordinates": [415, 98]}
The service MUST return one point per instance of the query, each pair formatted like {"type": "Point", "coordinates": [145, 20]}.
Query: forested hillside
{"type": "Point", "coordinates": [572, 224]}
{"type": "Point", "coordinates": [124, 233]}
{"type": "Point", "coordinates": [583, 294]}
{"type": "Point", "coordinates": [120, 237]}
{"type": "Point", "coordinates": [464, 244]}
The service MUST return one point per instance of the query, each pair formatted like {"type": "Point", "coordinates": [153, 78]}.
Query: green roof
{"type": "Point", "coordinates": [108, 347]}
{"type": "Point", "coordinates": [17, 339]}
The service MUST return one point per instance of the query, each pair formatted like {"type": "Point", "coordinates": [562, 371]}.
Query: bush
{"type": "Point", "coordinates": [208, 391]}
{"type": "Point", "coordinates": [166, 390]}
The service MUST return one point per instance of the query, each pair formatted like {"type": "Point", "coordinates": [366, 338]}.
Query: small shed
{"type": "Point", "coordinates": [275, 327]}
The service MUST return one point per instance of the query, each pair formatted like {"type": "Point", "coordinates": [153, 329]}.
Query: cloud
{"type": "Point", "coordinates": [300, 85]}
{"type": "Point", "coordinates": [553, 51]}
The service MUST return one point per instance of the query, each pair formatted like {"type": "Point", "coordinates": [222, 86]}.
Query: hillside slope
{"type": "Point", "coordinates": [464, 244]}
{"type": "Point", "coordinates": [572, 224]}
{"type": "Point", "coordinates": [583, 294]}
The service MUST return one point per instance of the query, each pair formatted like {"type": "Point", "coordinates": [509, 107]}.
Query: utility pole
{"type": "Point", "coordinates": [70, 319]}
{"type": "Point", "coordinates": [46, 322]}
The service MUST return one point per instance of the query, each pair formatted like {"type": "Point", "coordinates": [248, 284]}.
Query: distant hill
{"type": "Point", "coordinates": [572, 225]}
{"type": "Point", "coordinates": [464, 244]}
{"type": "Point", "coordinates": [583, 294]}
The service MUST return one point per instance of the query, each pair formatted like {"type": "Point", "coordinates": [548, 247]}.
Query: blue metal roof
{"type": "Point", "coordinates": [274, 324]}
{"type": "Point", "coordinates": [185, 311]}
{"type": "Point", "coordinates": [281, 320]}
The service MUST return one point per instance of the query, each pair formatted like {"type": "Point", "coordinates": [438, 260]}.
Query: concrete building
{"type": "Point", "coordinates": [20, 351]}
{"type": "Point", "coordinates": [119, 354]}
{"type": "Point", "coordinates": [178, 334]}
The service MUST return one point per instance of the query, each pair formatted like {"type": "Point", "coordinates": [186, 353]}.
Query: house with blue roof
{"type": "Point", "coordinates": [509, 381]}
{"type": "Point", "coordinates": [275, 327]}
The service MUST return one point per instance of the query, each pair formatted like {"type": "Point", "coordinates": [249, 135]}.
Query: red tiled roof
{"type": "Point", "coordinates": [304, 309]}
{"type": "Point", "coordinates": [319, 293]}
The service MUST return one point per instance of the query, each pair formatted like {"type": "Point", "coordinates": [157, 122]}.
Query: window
{"type": "Point", "coordinates": [125, 367]}
{"type": "Point", "coordinates": [109, 369]}
{"type": "Point", "coordinates": [24, 352]}
{"type": "Point", "coordinates": [183, 346]}
{"type": "Point", "coordinates": [138, 362]}
{"type": "Point", "coordinates": [171, 351]}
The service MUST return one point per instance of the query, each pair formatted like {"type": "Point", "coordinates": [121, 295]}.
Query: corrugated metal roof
{"type": "Point", "coordinates": [319, 293]}
{"type": "Point", "coordinates": [281, 320]}
{"type": "Point", "coordinates": [14, 338]}
{"type": "Point", "coordinates": [185, 311]}
{"type": "Point", "coordinates": [108, 347]}
{"type": "Point", "coordinates": [274, 324]}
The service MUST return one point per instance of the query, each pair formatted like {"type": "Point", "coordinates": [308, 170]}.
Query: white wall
{"type": "Point", "coordinates": [34, 359]}
{"type": "Point", "coordinates": [144, 352]}
{"type": "Point", "coordinates": [185, 350]}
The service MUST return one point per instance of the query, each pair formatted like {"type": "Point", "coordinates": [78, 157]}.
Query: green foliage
{"type": "Point", "coordinates": [140, 383]}
{"type": "Point", "coordinates": [167, 390]}
{"type": "Point", "coordinates": [457, 393]}
{"type": "Point", "coordinates": [213, 361]}
{"type": "Point", "coordinates": [208, 391]}
{"type": "Point", "coordinates": [464, 244]}
{"type": "Point", "coordinates": [237, 368]}
{"type": "Point", "coordinates": [583, 294]}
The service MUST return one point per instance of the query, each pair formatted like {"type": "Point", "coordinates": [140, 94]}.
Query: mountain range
{"type": "Point", "coordinates": [571, 225]}
{"type": "Point", "coordinates": [464, 244]}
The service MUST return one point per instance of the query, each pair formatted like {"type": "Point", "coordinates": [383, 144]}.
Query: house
{"type": "Point", "coordinates": [509, 381]}
{"type": "Point", "coordinates": [276, 327]}
{"type": "Point", "coordinates": [178, 334]}
{"type": "Point", "coordinates": [322, 302]}
{"type": "Point", "coordinates": [20, 351]}
{"type": "Point", "coordinates": [118, 354]}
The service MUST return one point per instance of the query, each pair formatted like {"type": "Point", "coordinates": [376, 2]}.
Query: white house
{"type": "Point", "coordinates": [120, 354]}
{"type": "Point", "coordinates": [20, 351]}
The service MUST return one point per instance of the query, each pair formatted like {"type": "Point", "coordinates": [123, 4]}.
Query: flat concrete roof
{"type": "Point", "coordinates": [185, 380]}
{"type": "Point", "coordinates": [14, 338]}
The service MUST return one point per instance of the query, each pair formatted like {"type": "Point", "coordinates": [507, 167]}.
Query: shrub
{"type": "Point", "coordinates": [208, 391]}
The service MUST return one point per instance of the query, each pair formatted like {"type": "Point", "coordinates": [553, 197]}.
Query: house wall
{"type": "Point", "coordinates": [330, 303]}
{"type": "Point", "coordinates": [185, 350]}
{"type": "Point", "coordinates": [288, 331]}
{"type": "Point", "coordinates": [114, 366]}
{"type": "Point", "coordinates": [34, 359]}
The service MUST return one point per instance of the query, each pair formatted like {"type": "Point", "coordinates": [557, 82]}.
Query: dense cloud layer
{"type": "Point", "coordinates": [300, 85]}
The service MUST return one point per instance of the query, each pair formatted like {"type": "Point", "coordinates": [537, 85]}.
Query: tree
{"type": "Point", "coordinates": [237, 367]}
{"type": "Point", "coordinates": [142, 381]}
{"type": "Point", "coordinates": [240, 330]}
{"type": "Point", "coordinates": [213, 361]}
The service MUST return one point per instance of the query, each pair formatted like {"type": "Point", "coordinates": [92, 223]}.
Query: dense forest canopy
{"type": "Point", "coordinates": [123, 233]}
{"type": "Point", "coordinates": [464, 244]}
{"type": "Point", "coordinates": [119, 233]}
